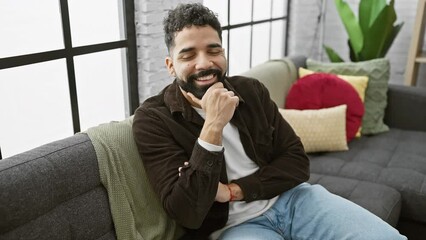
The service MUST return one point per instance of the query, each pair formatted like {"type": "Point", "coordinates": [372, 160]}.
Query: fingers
{"type": "Point", "coordinates": [234, 98]}
{"type": "Point", "coordinates": [225, 91]}
{"type": "Point", "coordinates": [194, 98]}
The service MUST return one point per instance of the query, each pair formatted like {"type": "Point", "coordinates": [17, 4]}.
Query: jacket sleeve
{"type": "Point", "coordinates": [187, 198]}
{"type": "Point", "coordinates": [287, 165]}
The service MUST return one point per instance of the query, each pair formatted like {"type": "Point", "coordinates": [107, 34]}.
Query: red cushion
{"type": "Point", "coordinates": [322, 90]}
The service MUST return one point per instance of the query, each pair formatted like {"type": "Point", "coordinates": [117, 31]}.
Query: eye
{"type": "Point", "coordinates": [187, 56]}
{"type": "Point", "coordinates": [215, 51]}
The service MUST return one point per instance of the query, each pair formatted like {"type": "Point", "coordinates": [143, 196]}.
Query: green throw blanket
{"type": "Point", "coordinates": [136, 210]}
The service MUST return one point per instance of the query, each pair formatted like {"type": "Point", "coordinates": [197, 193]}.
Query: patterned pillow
{"type": "Point", "coordinates": [378, 72]}
{"type": "Point", "coordinates": [357, 82]}
{"type": "Point", "coordinates": [323, 90]}
{"type": "Point", "coordinates": [328, 133]}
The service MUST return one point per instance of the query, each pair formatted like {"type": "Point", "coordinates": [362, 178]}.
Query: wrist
{"type": "Point", "coordinates": [211, 134]}
{"type": "Point", "coordinates": [235, 191]}
{"type": "Point", "coordinates": [231, 195]}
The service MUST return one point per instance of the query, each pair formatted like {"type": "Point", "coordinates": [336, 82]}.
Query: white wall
{"type": "Point", "coordinates": [304, 33]}
{"type": "Point", "coordinates": [304, 38]}
{"type": "Point", "coordinates": [153, 75]}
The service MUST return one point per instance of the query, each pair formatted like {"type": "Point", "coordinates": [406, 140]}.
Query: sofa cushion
{"type": "Point", "coordinates": [277, 76]}
{"type": "Point", "coordinates": [383, 201]}
{"type": "Point", "coordinates": [395, 158]}
{"type": "Point", "coordinates": [322, 90]}
{"type": "Point", "coordinates": [378, 72]}
{"type": "Point", "coordinates": [83, 217]}
{"type": "Point", "coordinates": [327, 134]}
{"type": "Point", "coordinates": [359, 83]}
{"type": "Point", "coordinates": [54, 192]}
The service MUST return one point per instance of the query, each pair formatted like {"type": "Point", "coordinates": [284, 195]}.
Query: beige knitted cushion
{"type": "Point", "coordinates": [319, 130]}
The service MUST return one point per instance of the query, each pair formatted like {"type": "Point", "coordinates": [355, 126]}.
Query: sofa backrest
{"type": "Point", "coordinates": [54, 192]}
{"type": "Point", "coordinates": [278, 76]}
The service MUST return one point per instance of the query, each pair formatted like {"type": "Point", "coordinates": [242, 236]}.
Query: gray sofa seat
{"type": "Point", "coordinates": [395, 158]}
{"type": "Point", "coordinates": [54, 192]}
{"type": "Point", "coordinates": [383, 201]}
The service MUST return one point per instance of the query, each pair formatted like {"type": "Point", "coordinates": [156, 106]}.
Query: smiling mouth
{"type": "Point", "coordinates": [206, 78]}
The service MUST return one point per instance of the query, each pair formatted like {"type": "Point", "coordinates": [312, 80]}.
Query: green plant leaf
{"type": "Point", "coordinates": [377, 35]}
{"type": "Point", "coordinates": [391, 38]}
{"type": "Point", "coordinates": [351, 25]}
{"type": "Point", "coordinates": [354, 57]}
{"type": "Point", "coordinates": [332, 55]}
{"type": "Point", "coordinates": [368, 11]}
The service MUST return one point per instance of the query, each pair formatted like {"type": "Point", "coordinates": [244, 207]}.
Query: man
{"type": "Point", "coordinates": [222, 160]}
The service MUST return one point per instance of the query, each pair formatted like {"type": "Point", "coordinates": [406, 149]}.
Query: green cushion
{"type": "Point", "coordinates": [378, 72]}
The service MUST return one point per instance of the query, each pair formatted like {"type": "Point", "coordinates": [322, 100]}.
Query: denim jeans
{"type": "Point", "coordinates": [311, 212]}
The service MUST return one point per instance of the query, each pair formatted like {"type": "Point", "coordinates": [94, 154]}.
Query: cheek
{"type": "Point", "coordinates": [222, 63]}
{"type": "Point", "coordinates": [183, 70]}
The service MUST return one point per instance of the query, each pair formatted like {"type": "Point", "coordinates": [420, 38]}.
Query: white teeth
{"type": "Point", "coordinates": [205, 77]}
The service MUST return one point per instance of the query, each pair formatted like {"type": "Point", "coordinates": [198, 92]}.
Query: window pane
{"type": "Point", "coordinates": [91, 24]}
{"type": "Point", "coordinates": [262, 9]}
{"type": "Point", "coordinates": [28, 26]}
{"type": "Point", "coordinates": [225, 42]}
{"type": "Point", "coordinates": [260, 43]}
{"type": "Point", "coordinates": [278, 39]}
{"type": "Point", "coordinates": [220, 7]}
{"type": "Point", "coordinates": [35, 106]}
{"type": "Point", "coordinates": [101, 79]}
{"type": "Point", "coordinates": [279, 8]}
{"type": "Point", "coordinates": [239, 50]}
{"type": "Point", "coordinates": [240, 11]}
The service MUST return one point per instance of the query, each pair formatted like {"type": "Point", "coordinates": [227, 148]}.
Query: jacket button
{"type": "Point", "coordinates": [210, 163]}
{"type": "Point", "coordinates": [254, 195]}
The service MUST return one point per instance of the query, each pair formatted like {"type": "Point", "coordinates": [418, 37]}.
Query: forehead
{"type": "Point", "coordinates": [196, 37]}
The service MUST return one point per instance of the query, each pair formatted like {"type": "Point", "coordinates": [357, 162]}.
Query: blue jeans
{"type": "Point", "coordinates": [311, 212]}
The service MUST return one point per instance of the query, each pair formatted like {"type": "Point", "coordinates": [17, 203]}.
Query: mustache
{"type": "Point", "coordinates": [204, 73]}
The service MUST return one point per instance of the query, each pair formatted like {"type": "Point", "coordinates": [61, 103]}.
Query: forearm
{"type": "Point", "coordinates": [193, 193]}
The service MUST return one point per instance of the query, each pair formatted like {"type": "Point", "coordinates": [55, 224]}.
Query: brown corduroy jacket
{"type": "Point", "coordinates": [166, 129]}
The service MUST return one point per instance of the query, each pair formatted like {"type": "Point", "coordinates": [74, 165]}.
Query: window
{"type": "Point", "coordinates": [65, 66]}
{"type": "Point", "coordinates": [253, 31]}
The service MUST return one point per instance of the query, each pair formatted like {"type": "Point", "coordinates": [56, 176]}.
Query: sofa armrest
{"type": "Point", "coordinates": [405, 108]}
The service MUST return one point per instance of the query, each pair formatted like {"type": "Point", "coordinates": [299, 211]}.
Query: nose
{"type": "Point", "coordinates": [203, 62]}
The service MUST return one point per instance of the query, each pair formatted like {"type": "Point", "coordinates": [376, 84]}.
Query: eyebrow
{"type": "Point", "coordinates": [213, 45]}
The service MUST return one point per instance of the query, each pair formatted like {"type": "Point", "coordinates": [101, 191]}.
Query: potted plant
{"type": "Point", "coordinates": [372, 34]}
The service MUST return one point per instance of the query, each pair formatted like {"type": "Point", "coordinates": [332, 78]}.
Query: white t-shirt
{"type": "Point", "coordinates": [238, 165]}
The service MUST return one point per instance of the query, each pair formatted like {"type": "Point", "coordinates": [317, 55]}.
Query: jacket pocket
{"type": "Point", "coordinates": [264, 143]}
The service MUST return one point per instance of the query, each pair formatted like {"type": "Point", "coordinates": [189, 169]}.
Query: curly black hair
{"type": "Point", "coordinates": [186, 15]}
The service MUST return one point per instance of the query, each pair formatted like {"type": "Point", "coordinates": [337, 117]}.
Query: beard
{"type": "Point", "coordinates": [198, 91]}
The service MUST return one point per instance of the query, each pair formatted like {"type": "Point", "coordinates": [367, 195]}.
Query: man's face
{"type": "Point", "coordinates": [197, 59]}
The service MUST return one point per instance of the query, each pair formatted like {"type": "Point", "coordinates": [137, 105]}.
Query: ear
{"type": "Point", "coordinates": [169, 65]}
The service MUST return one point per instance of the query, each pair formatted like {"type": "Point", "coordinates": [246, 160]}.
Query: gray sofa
{"type": "Point", "coordinates": [55, 192]}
